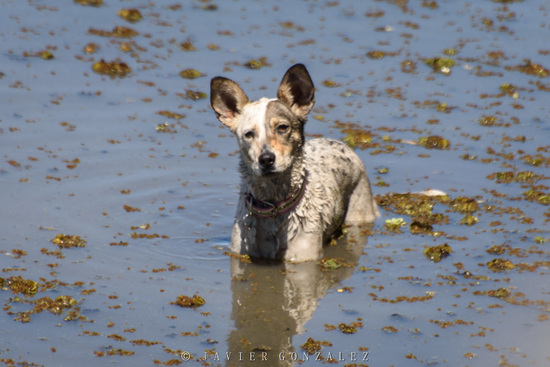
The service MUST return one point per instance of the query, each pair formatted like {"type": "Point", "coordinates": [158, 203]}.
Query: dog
{"type": "Point", "coordinates": [295, 195]}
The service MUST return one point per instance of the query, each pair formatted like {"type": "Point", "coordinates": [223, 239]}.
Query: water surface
{"type": "Point", "coordinates": [145, 174]}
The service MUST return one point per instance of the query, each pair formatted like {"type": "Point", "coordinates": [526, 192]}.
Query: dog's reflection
{"type": "Point", "coordinates": [273, 301]}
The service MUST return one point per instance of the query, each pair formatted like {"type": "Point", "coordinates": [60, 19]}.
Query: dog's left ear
{"type": "Point", "coordinates": [297, 91]}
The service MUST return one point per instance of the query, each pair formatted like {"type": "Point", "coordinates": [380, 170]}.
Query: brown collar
{"type": "Point", "coordinates": [266, 209]}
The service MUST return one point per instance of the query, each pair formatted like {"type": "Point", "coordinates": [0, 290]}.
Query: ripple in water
{"type": "Point", "coordinates": [186, 247]}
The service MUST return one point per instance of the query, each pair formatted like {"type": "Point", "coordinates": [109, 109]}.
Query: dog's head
{"type": "Point", "coordinates": [270, 131]}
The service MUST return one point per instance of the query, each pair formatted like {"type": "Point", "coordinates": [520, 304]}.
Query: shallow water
{"type": "Point", "coordinates": [78, 146]}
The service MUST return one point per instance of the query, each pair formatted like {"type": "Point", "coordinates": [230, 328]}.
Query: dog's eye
{"type": "Point", "coordinates": [249, 134]}
{"type": "Point", "coordinates": [283, 128]}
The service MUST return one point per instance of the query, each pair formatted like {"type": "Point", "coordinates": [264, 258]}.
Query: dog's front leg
{"type": "Point", "coordinates": [304, 247]}
{"type": "Point", "coordinates": [243, 238]}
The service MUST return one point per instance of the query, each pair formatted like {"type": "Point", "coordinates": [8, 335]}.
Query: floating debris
{"type": "Point", "coordinates": [165, 128]}
{"type": "Point", "coordinates": [500, 265]}
{"type": "Point", "coordinates": [531, 69]}
{"type": "Point", "coordinates": [358, 138]}
{"type": "Point", "coordinates": [118, 32]}
{"type": "Point", "coordinates": [311, 346]}
{"type": "Point", "coordinates": [190, 74]}
{"type": "Point", "coordinates": [14, 163]}
{"type": "Point", "coordinates": [464, 205]}
{"type": "Point", "coordinates": [113, 68]}
{"type": "Point", "coordinates": [130, 15]}
{"type": "Point", "coordinates": [395, 224]}
{"type": "Point", "coordinates": [539, 240]}
{"type": "Point", "coordinates": [257, 64]}
{"type": "Point", "coordinates": [450, 51]}
{"type": "Point", "coordinates": [376, 55]}
{"type": "Point", "coordinates": [187, 46]}
{"type": "Point", "coordinates": [389, 329]}
{"type": "Point", "coordinates": [91, 48]}
{"type": "Point", "coordinates": [130, 209]}
{"type": "Point", "coordinates": [17, 253]}
{"type": "Point", "coordinates": [195, 95]}
{"type": "Point", "coordinates": [190, 302]}
{"type": "Point", "coordinates": [329, 264]}
{"type": "Point", "coordinates": [437, 253]}
{"type": "Point", "coordinates": [443, 107]}
{"type": "Point", "coordinates": [242, 258]}
{"type": "Point", "coordinates": [434, 142]}
{"type": "Point", "coordinates": [488, 121]}
{"type": "Point", "coordinates": [510, 90]}
{"type": "Point", "coordinates": [55, 306]}
{"type": "Point", "coordinates": [469, 220]}
{"type": "Point", "coordinates": [330, 84]}
{"type": "Point", "coordinates": [418, 227]}
{"type": "Point", "coordinates": [95, 3]}
{"type": "Point", "coordinates": [416, 206]}
{"type": "Point", "coordinates": [68, 241]}
{"type": "Point", "coordinates": [209, 7]}
{"type": "Point", "coordinates": [171, 115]}
{"type": "Point", "coordinates": [500, 293]}
{"type": "Point", "coordinates": [431, 192]}
{"type": "Point", "coordinates": [521, 177]}
{"type": "Point", "coordinates": [442, 65]}
{"type": "Point", "coordinates": [110, 351]}
{"type": "Point", "coordinates": [46, 55]}
{"type": "Point", "coordinates": [18, 284]}
{"type": "Point", "coordinates": [347, 329]}
{"type": "Point", "coordinates": [408, 66]}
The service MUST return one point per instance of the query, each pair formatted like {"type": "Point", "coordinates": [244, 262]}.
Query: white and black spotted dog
{"type": "Point", "coordinates": [294, 194]}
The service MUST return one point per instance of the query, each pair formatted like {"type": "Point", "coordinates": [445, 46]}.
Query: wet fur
{"type": "Point", "coordinates": [275, 159]}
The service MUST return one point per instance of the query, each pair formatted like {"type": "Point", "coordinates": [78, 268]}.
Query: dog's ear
{"type": "Point", "coordinates": [297, 91]}
{"type": "Point", "coordinates": [227, 100]}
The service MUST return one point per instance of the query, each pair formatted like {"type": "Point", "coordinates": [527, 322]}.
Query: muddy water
{"type": "Point", "coordinates": [141, 170]}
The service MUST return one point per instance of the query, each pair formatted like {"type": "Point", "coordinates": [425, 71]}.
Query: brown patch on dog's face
{"type": "Point", "coordinates": [284, 135]}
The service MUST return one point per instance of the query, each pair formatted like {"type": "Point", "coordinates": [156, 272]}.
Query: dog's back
{"type": "Point", "coordinates": [342, 187]}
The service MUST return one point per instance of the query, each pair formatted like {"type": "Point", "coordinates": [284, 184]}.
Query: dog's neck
{"type": "Point", "coordinates": [276, 187]}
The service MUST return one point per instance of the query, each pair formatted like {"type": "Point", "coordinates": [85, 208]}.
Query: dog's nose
{"type": "Point", "coordinates": [266, 160]}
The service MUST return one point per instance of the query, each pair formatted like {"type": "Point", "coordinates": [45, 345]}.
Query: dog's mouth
{"type": "Point", "coordinates": [268, 172]}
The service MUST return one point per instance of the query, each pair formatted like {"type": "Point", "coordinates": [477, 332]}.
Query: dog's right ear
{"type": "Point", "coordinates": [227, 100]}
